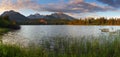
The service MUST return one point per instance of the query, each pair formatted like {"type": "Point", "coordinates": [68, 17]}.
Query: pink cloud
{"type": "Point", "coordinates": [17, 4]}
{"type": "Point", "coordinates": [70, 7]}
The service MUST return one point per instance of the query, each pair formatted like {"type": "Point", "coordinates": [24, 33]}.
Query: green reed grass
{"type": "Point", "coordinates": [3, 30]}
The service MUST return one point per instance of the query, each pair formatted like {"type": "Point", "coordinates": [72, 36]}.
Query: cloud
{"type": "Point", "coordinates": [76, 1]}
{"type": "Point", "coordinates": [71, 7]}
{"type": "Point", "coordinates": [74, 6]}
{"type": "Point", "coordinates": [17, 4]}
{"type": "Point", "coordinates": [113, 3]}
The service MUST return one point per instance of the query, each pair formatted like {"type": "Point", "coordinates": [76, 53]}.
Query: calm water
{"type": "Point", "coordinates": [34, 33]}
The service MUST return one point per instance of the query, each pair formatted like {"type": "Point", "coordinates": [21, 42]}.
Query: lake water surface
{"type": "Point", "coordinates": [34, 33]}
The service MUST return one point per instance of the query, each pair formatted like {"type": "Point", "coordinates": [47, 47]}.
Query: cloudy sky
{"type": "Point", "coordinates": [75, 8]}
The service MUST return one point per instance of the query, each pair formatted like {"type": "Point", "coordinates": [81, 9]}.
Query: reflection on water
{"type": "Point", "coordinates": [33, 34]}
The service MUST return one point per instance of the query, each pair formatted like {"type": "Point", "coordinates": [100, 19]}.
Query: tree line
{"type": "Point", "coordinates": [96, 21]}
{"type": "Point", "coordinates": [6, 22]}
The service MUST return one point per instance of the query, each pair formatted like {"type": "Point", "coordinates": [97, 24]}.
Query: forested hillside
{"type": "Point", "coordinates": [5, 22]}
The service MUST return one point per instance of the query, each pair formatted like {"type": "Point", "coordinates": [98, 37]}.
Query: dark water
{"type": "Point", "coordinates": [34, 33]}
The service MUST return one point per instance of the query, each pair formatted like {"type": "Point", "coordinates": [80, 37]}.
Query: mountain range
{"type": "Point", "coordinates": [59, 16]}
{"type": "Point", "coordinates": [16, 16]}
{"type": "Point", "coordinates": [35, 16]}
{"type": "Point", "coordinates": [52, 16]}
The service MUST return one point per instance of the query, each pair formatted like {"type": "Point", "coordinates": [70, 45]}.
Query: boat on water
{"type": "Point", "coordinates": [109, 31]}
{"type": "Point", "coordinates": [105, 30]}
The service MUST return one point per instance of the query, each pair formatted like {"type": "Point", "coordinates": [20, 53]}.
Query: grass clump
{"type": "Point", "coordinates": [3, 30]}
{"type": "Point", "coordinates": [10, 51]}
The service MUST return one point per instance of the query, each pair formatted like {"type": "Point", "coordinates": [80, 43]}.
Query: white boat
{"type": "Point", "coordinates": [104, 30]}
{"type": "Point", "coordinates": [112, 31]}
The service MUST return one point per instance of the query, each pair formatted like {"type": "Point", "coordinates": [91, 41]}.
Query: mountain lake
{"type": "Point", "coordinates": [35, 33]}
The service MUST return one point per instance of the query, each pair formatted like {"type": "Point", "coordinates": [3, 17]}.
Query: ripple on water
{"type": "Point", "coordinates": [28, 35]}
{"type": "Point", "coordinates": [10, 38]}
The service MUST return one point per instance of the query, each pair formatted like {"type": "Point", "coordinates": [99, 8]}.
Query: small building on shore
{"type": "Point", "coordinates": [43, 21]}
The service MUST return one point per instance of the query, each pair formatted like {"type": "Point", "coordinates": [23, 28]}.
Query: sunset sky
{"type": "Point", "coordinates": [75, 8]}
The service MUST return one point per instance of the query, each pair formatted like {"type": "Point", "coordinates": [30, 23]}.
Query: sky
{"type": "Point", "coordinates": [74, 8]}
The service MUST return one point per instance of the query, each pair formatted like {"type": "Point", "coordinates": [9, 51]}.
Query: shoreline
{"type": "Point", "coordinates": [3, 30]}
